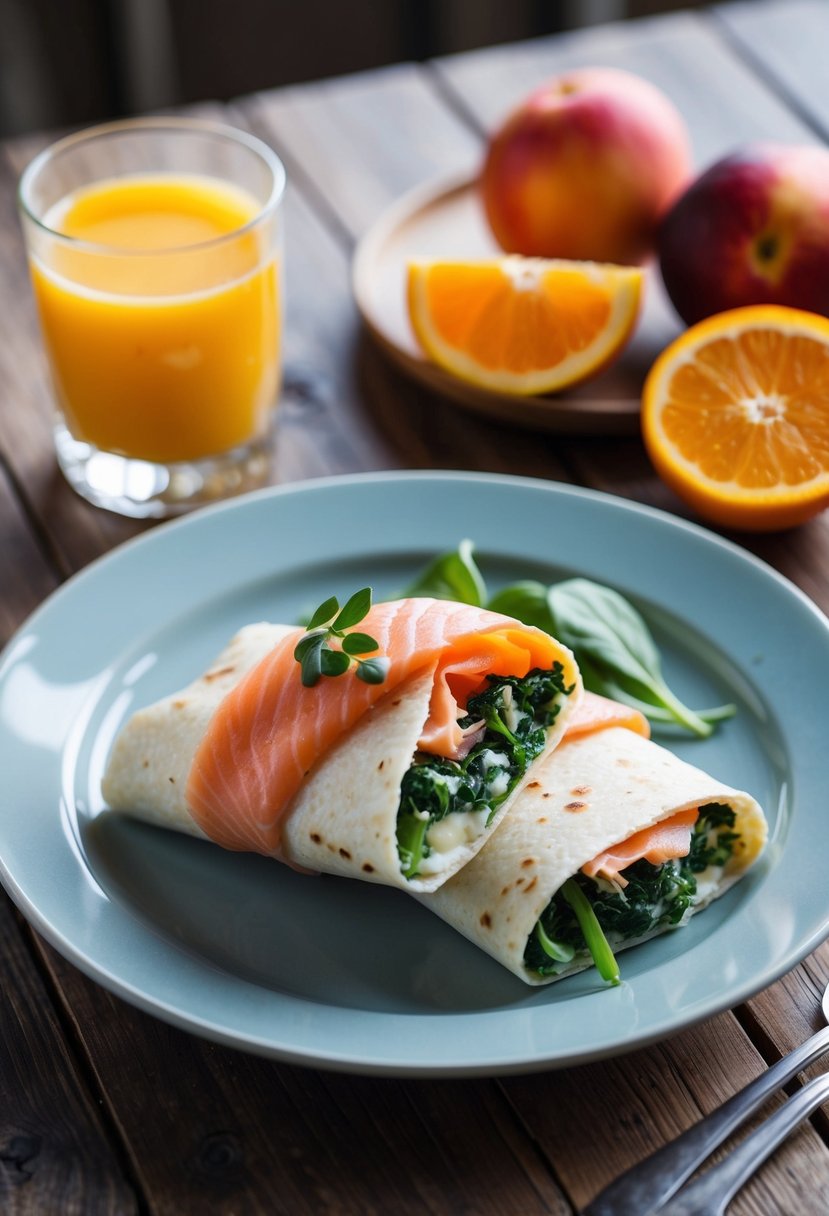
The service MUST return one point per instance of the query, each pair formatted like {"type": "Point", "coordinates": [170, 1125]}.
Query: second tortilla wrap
{"type": "Point", "coordinates": [596, 790]}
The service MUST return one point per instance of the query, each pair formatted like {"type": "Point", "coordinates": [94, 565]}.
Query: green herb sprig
{"type": "Point", "coordinates": [315, 655]}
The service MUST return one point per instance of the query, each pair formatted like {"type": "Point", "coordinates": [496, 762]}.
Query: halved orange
{"type": "Point", "coordinates": [522, 325]}
{"type": "Point", "coordinates": [735, 417]}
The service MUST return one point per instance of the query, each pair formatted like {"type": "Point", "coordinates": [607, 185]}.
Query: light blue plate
{"type": "Point", "coordinates": [343, 974]}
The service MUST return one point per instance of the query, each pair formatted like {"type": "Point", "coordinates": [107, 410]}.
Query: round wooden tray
{"type": "Point", "coordinates": [445, 219]}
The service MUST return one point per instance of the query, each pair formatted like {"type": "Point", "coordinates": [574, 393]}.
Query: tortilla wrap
{"type": "Point", "coordinates": [343, 820]}
{"type": "Point", "coordinates": [593, 792]}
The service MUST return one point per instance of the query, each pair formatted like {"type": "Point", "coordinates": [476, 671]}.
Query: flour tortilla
{"type": "Point", "coordinates": [593, 792]}
{"type": "Point", "coordinates": [343, 820]}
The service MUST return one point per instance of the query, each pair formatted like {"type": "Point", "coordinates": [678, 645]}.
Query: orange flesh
{"type": "Point", "coordinates": [249, 766]}
{"type": "Point", "coordinates": [481, 311]}
{"type": "Point", "coordinates": [753, 409]}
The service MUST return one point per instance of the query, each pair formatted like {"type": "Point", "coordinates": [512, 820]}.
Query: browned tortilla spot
{"type": "Point", "coordinates": [345, 853]}
{"type": "Point", "coordinates": [317, 839]}
{"type": "Point", "coordinates": [398, 701]}
{"type": "Point", "coordinates": [528, 861]}
{"type": "Point", "coordinates": [530, 885]}
{"type": "Point", "coordinates": [221, 671]}
{"type": "Point", "coordinates": [506, 890]}
{"type": "Point", "coordinates": [179, 705]}
{"type": "Point", "coordinates": [332, 848]}
{"type": "Point", "coordinates": [543, 819]}
{"type": "Point", "coordinates": [146, 764]}
{"type": "Point", "coordinates": [581, 791]}
{"type": "Point", "coordinates": [623, 762]}
{"type": "Point", "coordinates": [534, 785]}
{"type": "Point", "coordinates": [518, 881]}
{"type": "Point", "coordinates": [368, 868]}
{"type": "Point", "coordinates": [172, 780]}
{"type": "Point", "coordinates": [380, 766]}
{"type": "Point", "coordinates": [546, 794]}
{"type": "Point", "coordinates": [575, 807]}
{"type": "Point", "coordinates": [486, 920]}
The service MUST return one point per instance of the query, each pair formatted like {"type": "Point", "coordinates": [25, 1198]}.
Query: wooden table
{"type": "Point", "coordinates": [105, 1109]}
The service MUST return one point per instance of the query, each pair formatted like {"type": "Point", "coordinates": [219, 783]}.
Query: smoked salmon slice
{"type": "Point", "coordinates": [270, 730]}
{"type": "Point", "coordinates": [595, 712]}
{"type": "Point", "coordinates": [662, 842]}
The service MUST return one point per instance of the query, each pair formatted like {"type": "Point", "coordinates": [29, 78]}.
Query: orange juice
{"type": "Point", "coordinates": [160, 315]}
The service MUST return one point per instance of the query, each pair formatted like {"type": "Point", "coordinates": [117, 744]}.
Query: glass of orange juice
{"type": "Point", "coordinates": [155, 254]}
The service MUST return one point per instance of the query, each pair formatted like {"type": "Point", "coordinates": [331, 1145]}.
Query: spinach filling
{"type": "Point", "coordinates": [517, 713]}
{"type": "Point", "coordinates": [656, 896]}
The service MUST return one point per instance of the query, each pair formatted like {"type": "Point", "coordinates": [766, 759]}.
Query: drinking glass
{"type": "Point", "coordinates": [155, 252]}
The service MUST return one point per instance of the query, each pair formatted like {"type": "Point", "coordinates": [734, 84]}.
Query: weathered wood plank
{"type": "Point", "coordinates": [55, 1154]}
{"type": "Point", "coordinates": [361, 141]}
{"type": "Point", "coordinates": [26, 574]}
{"type": "Point", "coordinates": [785, 1015]}
{"type": "Point", "coordinates": [322, 425]}
{"type": "Point", "coordinates": [785, 41]}
{"type": "Point", "coordinates": [722, 99]}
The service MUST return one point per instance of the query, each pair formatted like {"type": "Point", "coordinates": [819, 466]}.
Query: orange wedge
{"type": "Point", "coordinates": [735, 417]}
{"type": "Point", "coordinates": [522, 325]}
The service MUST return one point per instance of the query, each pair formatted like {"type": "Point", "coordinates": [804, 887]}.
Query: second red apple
{"type": "Point", "coordinates": [753, 229]}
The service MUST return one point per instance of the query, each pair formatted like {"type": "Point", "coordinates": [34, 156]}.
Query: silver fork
{"type": "Point", "coordinates": [711, 1194]}
{"type": "Point", "coordinates": [646, 1188]}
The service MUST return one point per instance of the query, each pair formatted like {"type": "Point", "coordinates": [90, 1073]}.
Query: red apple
{"type": "Point", "coordinates": [753, 229]}
{"type": "Point", "coordinates": [585, 168]}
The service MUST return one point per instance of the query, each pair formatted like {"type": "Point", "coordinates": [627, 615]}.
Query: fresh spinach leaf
{"type": "Point", "coordinates": [452, 576]}
{"type": "Point", "coordinates": [526, 601]}
{"type": "Point", "coordinates": [600, 624]}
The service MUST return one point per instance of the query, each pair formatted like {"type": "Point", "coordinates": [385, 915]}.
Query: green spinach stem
{"type": "Point", "coordinates": [597, 943]}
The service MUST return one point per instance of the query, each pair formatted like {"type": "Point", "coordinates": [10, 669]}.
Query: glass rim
{"type": "Point", "coordinates": [161, 123]}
